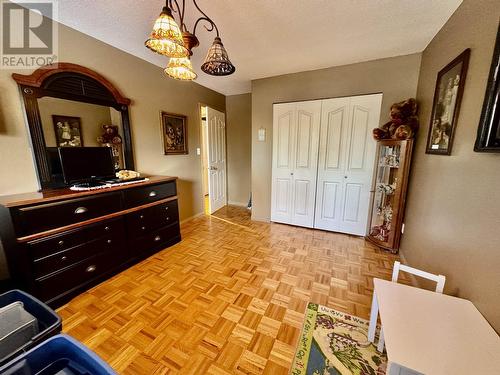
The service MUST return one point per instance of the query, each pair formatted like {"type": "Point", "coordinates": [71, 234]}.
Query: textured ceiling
{"type": "Point", "coordinates": [271, 37]}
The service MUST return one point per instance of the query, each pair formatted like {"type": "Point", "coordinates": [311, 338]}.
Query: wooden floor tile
{"type": "Point", "coordinates": [228, 299]}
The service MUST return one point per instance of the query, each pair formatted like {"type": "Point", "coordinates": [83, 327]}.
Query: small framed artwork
{"type": "Point", "coordinates": [446, 105]}
{"type": "Point", "coordinates": [68, 131]}
{"type": "Point", "coordinates": [174, 131]}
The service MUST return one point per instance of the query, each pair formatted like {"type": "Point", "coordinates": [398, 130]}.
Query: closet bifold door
{"type": "Point", "coordinates": [345, 166]}
{"type": "Point", "coordinates": [295, 161]}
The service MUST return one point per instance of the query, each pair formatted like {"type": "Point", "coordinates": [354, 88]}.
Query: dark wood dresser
{"type": "Point", "coordinates": [61, 242]}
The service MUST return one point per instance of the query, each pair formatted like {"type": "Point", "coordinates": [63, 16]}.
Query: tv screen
{"type": "Point", "coordinates": [85, 163]}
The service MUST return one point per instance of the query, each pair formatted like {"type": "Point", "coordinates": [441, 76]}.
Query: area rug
{"type": "Point", "coordinates": [334, 343]}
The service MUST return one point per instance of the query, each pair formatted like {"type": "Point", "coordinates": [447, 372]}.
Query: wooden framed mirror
{"type": "Point", "coordinates": [68, 105]}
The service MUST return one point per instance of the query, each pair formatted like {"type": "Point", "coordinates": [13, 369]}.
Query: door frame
{"type": "Point", "coordinates": [200, 143]}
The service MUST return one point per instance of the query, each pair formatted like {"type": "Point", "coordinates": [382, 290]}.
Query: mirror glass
{"type": "Point", "coordinates": [68, 123]}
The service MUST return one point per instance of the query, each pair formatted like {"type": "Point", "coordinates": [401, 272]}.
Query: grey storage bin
{"type": "Point", "coordinates": [17, 327]}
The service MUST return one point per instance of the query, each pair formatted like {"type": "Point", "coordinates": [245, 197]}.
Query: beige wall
{"type": "Point", "coordinates": [395, 77]}
{"type": "Point", "coordinates": [92, 117]}
{"type": "Point", "coordinates": [149, 91]}
{"type": "Point", "coordinates": [239, 147]}
{"type": "Point", "coordinates": [453, 211]}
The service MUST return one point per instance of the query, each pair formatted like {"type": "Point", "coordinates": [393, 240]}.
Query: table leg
{"type": "Point", "coordinates": [373, 318]}
{"type": "Point", "coordinates": [381, 341]}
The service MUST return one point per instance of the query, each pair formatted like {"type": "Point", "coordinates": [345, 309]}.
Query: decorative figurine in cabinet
{"type": "Point", "coordinates": [391, 182]}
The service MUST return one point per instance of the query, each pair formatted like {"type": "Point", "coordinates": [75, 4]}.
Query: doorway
{"type": "Point", "coordinates": [213, 159]}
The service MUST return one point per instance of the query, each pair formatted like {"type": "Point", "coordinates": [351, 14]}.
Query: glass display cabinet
{"type": "Point", "coordinates": [389, 193]}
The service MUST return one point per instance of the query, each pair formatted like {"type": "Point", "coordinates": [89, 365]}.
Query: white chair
{"type": "Point", "coordinates": [439, 279]}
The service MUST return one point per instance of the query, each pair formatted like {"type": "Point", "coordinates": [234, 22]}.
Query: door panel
{"type": "Point", "coordinates": [346, 158]}
{"type": "Point", "coordinates": [282, 172]}
{"type": "Point", "coordinates": [217, 159]}
{"type": "Point", "coordinates": [295, 155]}
{"type": "Point", "coordinates": [351, 202]}
{"type": "Point", "coordinates": [306, 162]}
{"type": "Point", "coordinates": [359, 133]}
{"type": "Point", "coordinates": [332, 163]}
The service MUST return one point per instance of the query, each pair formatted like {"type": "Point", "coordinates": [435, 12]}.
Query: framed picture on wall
{"type": "Point", "coordinates": [174, 131]}
{"type": "Point", "coordinates": [446, 105]}
{"type": "Point", "coordinates": [68, 131]}
{"type": "Point", "coordinates": [488, 132]}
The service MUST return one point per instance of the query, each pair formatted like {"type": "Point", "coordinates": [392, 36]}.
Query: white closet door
{"type": "Point", "coordinates": [295, 158]}
{"type": "Point", "coordinates": [284, 116]}
{"type": "Point", "coordinates": [332, 163]}
{"type": "Point", "coordinates": [306, 162]}
{"type": "Point", "coordinates": [346, 163]}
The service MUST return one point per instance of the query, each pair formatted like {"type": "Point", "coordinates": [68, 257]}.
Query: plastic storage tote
{"type": "Point", "coordinates": [59, 355]}
{"type": "Point", "coordinates": [18, 331]}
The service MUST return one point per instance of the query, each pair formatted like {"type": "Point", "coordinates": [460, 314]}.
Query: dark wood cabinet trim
{"type": "Point", "coordinates": [91, 221]}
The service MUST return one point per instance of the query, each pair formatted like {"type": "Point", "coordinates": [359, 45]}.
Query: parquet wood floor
{"type": "Point", "coordinates": [228, 299]}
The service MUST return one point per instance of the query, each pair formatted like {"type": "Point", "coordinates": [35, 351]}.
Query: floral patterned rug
{"type": "Point", "coordinates": [334, 343]}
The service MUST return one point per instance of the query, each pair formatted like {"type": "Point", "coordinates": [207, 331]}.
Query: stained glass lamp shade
{"type": "Point", "coordinates": [217, 62]}
{"type": "Point", "coordinates": [166, 37]}
{"type": "Point", "coordinates": [181, 69]}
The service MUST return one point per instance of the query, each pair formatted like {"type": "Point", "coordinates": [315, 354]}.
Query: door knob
{"type": "Point", "coordinates": [291, 174]}
{"type": "Point", "coordinates": [213, 168]}
{"type": "Point", "coordinates": [345, 176]}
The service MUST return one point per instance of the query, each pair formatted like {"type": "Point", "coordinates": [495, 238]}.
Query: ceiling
{"type": "Point", "coordinates": [265, 38]}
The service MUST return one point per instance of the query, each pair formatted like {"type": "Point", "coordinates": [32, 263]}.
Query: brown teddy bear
{"type": "Point", "coordinates": [403, 124]}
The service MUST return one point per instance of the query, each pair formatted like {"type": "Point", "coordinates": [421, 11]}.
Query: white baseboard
{"type": "Point", "coordinates": [240, 204]}
{"type": "Point", "coordinates": [191, 218]}
{"type": "Point", "coordinates": [263, 219]}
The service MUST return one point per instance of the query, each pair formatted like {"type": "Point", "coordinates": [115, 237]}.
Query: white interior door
{"type": "Point", "coordinates": [295, 158]}
{"type": "Point", "coordinates": [346, 158]}
{"type": "Point", "coordinates": [217, 184]}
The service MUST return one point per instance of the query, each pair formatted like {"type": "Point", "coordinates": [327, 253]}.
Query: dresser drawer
{"type": "Point", "coordinates": [144, 221]}
{"type": "Point", "coordinates": [34, 219]}
{"type": "Point", "coordinates": [55, 244]}
{"type": "Point", "coordinates": [79, 274]}
{"type": "Point", "coordinates": [155, 240]}
{"type": "Point", "coordinates": [151, 193]}
{"type": "Point", "coordinates": [109, 245]}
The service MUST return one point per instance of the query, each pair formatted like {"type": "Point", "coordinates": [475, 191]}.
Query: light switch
{"type": "Point", "coordinates": [198, 151]}
{"type": "Point", "coordinates": [262, 134]}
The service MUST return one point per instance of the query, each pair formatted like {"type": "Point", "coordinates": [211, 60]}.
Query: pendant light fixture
{"type": "Point", "coordinates": [166, 37]}
{"type": "Point", "coordinates": [217, 62]}
{"type": "Point", "coordinates": [176, 42]}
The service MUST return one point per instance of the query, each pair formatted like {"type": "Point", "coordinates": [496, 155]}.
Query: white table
{"type": "Point", "coordinates": [432, 333]}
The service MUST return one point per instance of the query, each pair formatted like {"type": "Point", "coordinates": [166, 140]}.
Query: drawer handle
{"type": "Point", "coordinates": [91, 268]}
{"type": "Point", "coordinates": [166, 208]}
{"type": "Point", "coordinates": [81, 210]}
{"type": "Point", "coordinates": [141, 217]}
{"type": "Point", "coordinates": [61, 243]}
{"type": "Point", "coordinates": [106, 228]}
{"type": "Point", "coordinates": [157, 238]}
{"type": "Point", "coordinates": [152, 193]}
{"type": "Point", "coordinates": [63, 258]}
{"type": "Point", "coordinates": [143, 228]}
{"type": "Point", "coordinates": [168, 218]}
{"type": "Point", "coordinates": [109, 241]}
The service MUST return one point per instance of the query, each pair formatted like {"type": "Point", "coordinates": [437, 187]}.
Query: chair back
{"type": "Point", "coordinates": [438, 279]}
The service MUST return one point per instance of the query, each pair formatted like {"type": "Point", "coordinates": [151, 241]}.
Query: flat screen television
{"type": "Point", "coordinates": [85, 164]}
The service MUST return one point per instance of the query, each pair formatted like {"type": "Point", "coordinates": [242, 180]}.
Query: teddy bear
{"type": "Point", "coordinates": [403, 124]}
{"type": "Point", "coordinates": [110, 135]}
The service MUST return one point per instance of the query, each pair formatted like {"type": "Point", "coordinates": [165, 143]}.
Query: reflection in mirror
{"type": "Point", "coordinates": [68, 123]}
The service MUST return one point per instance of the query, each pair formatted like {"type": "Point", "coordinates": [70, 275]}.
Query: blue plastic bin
{"type": "Point", "coordinates": [59, 355]}
{"type": "Point", "coordinates": [49, 323]}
